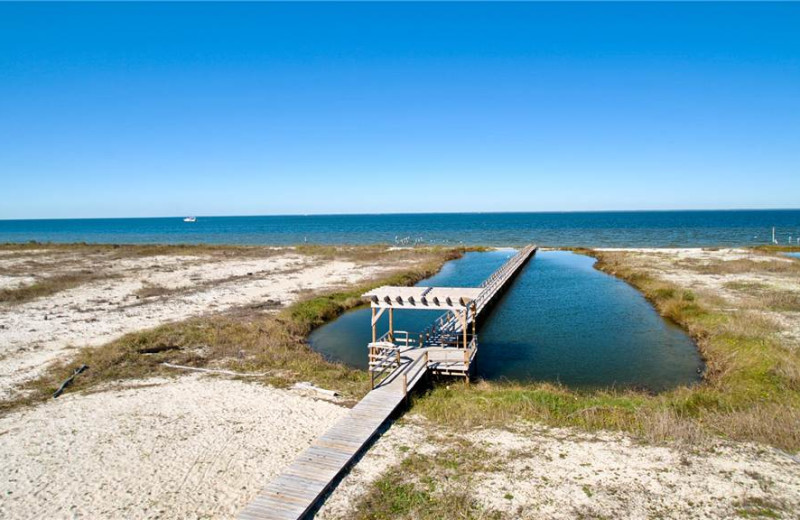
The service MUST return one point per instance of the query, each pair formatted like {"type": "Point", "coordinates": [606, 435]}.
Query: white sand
{"type": "Point", "coordinates": [195, 447]}
{"type": "Point", "coordinates": [561, 474]}
{"type": "Point", "coordinates": [675, 266]}
{"type": "Point", "coordinates": [35, 333]}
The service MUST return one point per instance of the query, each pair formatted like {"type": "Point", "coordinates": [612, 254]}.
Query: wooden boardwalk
{"type": "Point", "coordinates": [297, 491]}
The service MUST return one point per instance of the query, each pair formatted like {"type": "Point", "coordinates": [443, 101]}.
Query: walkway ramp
{"type": "Point", "coordinates": [298, 489]}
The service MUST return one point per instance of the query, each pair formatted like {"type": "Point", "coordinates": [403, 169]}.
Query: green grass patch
{"type": "Point", "coordinates": [777, 249]}
{"type": "Point", "coordinates": [755, 507]}
{"type": "Point", "coordinates": [431, 487]}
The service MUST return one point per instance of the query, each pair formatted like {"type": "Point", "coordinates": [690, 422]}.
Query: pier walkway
{"type": "Point", "coordinates": [398, 361]}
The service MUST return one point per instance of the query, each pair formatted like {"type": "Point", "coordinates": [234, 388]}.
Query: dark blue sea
{"type": "Point", "coordinates": [597, 229]}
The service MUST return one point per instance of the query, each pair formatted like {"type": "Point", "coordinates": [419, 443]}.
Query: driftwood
{"type": "Point", "coordinates": [157, 349]}
{"type": "Point", "coordinates": [69, 380]}
{"type": "Point", "coordinates": [216, 371]}
{"type": "Point", "coordinates": [305, 385]}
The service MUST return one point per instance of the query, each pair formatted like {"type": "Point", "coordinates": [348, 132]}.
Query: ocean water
{"type": "Point", "coordinates": [561, 321]}
{"type": "Point", "coordinates": [598, 229]}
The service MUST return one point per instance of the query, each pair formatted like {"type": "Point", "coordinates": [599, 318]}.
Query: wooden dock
{"type": "Point", "coordinates": [451, 340]}
{"type": "Point", "coordinates": [401, 362]}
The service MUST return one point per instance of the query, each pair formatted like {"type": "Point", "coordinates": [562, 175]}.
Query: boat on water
{"type": "Point", "coordinates": [190, 219]}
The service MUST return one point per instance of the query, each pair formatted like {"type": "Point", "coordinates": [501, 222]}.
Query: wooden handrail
{"type": "Point", "coordinates": [410, 368]}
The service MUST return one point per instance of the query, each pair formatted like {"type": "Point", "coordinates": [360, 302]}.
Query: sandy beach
{"type": "Point", "coordinates": [192, 446]}
{"type": "Point", "coordinates": [189, 447]}
{"type": "Point", "coordinates": [201, 446]}
{"type": "Point", "coordinates": [726, 274]}
{"type": "Point", "coordinates": [115, 302]}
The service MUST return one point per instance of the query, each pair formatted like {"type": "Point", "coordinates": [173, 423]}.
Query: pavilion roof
{"type": "Point", "coordinates": [422, 298]}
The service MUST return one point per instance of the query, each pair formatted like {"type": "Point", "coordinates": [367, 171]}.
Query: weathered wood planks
{"type": "Point", "coordinates": [296, 491]}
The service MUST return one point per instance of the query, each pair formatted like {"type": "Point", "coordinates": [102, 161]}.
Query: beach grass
{"type": "Point", "coordinates": [270, 348]}
{"type": "Point", "coordinates": [48, 286]}
{"type": "Point", "coordinates": [431, 487]}
{"type": "Point", "coordinates": [778, 249]}
{"type": "Point", "coordinates": [45, 256]}
{"type": "Point", "coordinates": [134, 250]}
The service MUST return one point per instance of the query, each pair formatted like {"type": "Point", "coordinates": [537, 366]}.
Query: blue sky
{"type": "Point", "coordinates": [169, 109]}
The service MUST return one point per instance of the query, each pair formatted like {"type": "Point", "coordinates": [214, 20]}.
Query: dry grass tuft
{"type": "Point", "coordinates": [743, 265]}
{"type": "Point", "coordinates": [149, 290]}
{"type": "Point", "coordinates": [49, 286]}
{"type": "Point", "coordinates": [431, 486]}
{"type": "Point", "coordinates": [119, 251]}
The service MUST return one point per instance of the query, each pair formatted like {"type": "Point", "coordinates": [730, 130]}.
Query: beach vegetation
{"type": "Point", "coordinates": [44, 287]}
{"type": "Point", "coordinates": [432, 486]}
{"type": "Point", "coordinates": [750, 389]}
{"type": "Point", "coordinates": [267, 347]}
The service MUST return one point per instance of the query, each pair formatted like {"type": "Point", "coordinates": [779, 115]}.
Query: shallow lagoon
{"type": "Point", "coordinates": [560, 321]}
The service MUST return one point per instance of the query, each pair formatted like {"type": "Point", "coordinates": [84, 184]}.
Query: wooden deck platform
{"type": "Point", "coordinates": [298, 490]}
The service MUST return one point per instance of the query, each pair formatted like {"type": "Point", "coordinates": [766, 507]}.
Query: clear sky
{"type": "Point", "coordinates": [210, 109]}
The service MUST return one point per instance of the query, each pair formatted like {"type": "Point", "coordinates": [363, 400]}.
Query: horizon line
{"type": "Point", "coordinates": [403, 213]}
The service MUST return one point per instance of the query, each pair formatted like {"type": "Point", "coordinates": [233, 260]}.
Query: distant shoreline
{"type": "Point", "coordinates": [413, 213]}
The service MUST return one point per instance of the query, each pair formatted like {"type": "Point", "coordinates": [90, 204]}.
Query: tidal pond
{"type": "Point", "coordinates": [561, 320]}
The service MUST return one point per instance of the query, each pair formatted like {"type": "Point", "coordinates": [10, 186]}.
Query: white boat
{"type": "Point", "coordinates": [190, 219]}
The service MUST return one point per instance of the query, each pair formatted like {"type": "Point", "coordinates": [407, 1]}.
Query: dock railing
{"type": "Point", "coordinates": [384, 358]}
{"type": "Point", "coordinates": [447, 322]}
{"type": "Point", "coordinates": [413, 370]}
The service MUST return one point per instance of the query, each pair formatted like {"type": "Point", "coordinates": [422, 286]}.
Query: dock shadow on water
{"type": "Point", "coordinates": [561, 320]}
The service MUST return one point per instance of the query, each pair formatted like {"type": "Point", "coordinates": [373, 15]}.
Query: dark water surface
{"type": "Point", "coordinates": [561, 320]}
{"type": "Point", "coordinates": [597, 229]}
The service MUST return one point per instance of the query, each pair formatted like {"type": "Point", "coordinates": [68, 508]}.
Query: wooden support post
{"type": "Point", "coordinates": [371, 373]}
{"type": "Point", "coordinates": [391, 325]}
{"type": "Point", "coordinates": [464, 326]}
{"type": "Point", "coordinates": [374, 337]}
{"type": "Point", "coordinates": [405, 384]}
{"type": "Point", "coordinates": [474, 319]}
